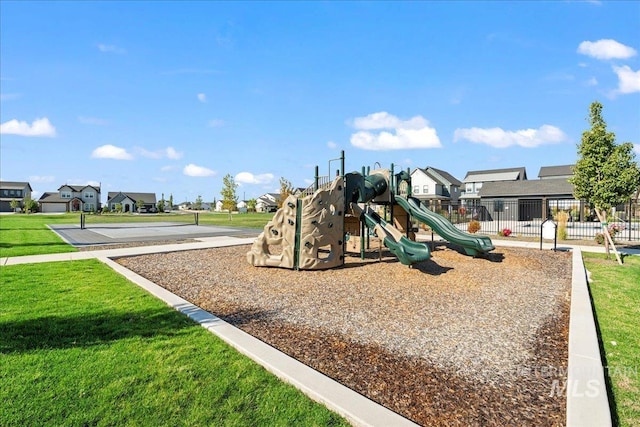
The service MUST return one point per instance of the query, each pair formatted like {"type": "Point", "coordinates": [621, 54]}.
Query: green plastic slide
{"type": "Point", "coordinates": [472, 244]}
{"type": "Point", "coordinates": [407, 251]}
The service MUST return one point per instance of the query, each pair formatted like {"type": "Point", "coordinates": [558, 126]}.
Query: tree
{"type": "Point", "coordinates": [198, 204]}
{"type": "Point", "coordinates": [161, 204]}
{"type": "Point", "coordinates": [285, 190]}
{"type": "Point", "coordinates": [251, 205]}
{"type": "Point", "coordinates": [170, 201]}
{"type": "Point", "coordinates": [14, 205]}
{"type": "Point", "coordinates": [139, 205]}
{"type": "Point", "coordinates": [29, 204]}
{"type": "Point", "coordinates": [606, 174]}
{"type": "Point", "coordinates": [229, 197]}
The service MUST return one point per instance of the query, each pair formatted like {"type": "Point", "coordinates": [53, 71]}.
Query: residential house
{"type": "Point", "coordinates": [474, 180]}
{"type": "Point", "coordinates": [524, 200]}
{"type": "Point", "coordinates": [434, 186]}
{"type": "Point", "coordinates": [13, 190]}
{"type": "Point", "coordinates": [268, 202]}
{"type": "Point", "coordinates": [129, 201]}
{"type": "Point", "coordinates": [554, 172]}
{"type": "Point", "coordinates": [71, 198]}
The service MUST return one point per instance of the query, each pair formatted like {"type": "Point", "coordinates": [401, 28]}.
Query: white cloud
{"type": "Point", "coordinates": [400, 134]}
{"type": "Point", "coordinates": [39, 127]}
{"type": "Point", "coordinates": [628, 80]}
{"type": "Point", "coordinates": [332, 145]}
{"type": "Point", "coordinates": [195, 170]}
{"type": "Point", "coordinates": [168, 152]}
{"type": "Point", "coordinates": [172, 154]}
{"type": "Point", "coordinates": [216, 123]}
{"type": "Point", "coordinates": [249, 178]}
{"type": "Point", "coordinates": [499, 138]}
{"type": "Point", "coordinates": [109, 48]}
{"type": "Point", "coordinates": [636, 148]}
{"type": "Point", "coordinates": [202, 97]}
{"type": "Point", "coordinates": [109, 151]}
{"type": "Point", "coordinates": [93, 121]}
{"type": "Point", "coordinates": [168, 168]}
{"type": "Point", "coordinates": [592, 82]}
{"type": "Point", "coordinates": [43, 178]}
{"type": "Point", "coordinates": [606, 49]}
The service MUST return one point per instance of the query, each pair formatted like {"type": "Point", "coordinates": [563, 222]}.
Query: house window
{"type": "Point", "coordinates": [416, 189]}
{"type": "Point", "coordinates": [65, 194]}
{"type": "Point", "coordinates": [425, 189]}
{"type": "Point", "coordinates": [469, 187]}
{"type": "Point", "coordinates": [88, 195]}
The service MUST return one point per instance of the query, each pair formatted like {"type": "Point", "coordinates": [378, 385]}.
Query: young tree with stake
{"type": "Point", "coordinates": [606, 174]}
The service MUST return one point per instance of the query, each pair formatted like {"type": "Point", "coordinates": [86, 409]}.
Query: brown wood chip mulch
{"type": "Point", "coordinates": [453, 341]}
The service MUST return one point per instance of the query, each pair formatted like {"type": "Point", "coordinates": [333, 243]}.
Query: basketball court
{"type": "Point", "coordinates": [108, 234]}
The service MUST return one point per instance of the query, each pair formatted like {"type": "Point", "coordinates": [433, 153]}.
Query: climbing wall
{"type": "Point", "coordinates": [274, 247]}
{"type": "Point", "coordinates": [322, 228]}
{"type": "Point", "coordinates": [320, 232]}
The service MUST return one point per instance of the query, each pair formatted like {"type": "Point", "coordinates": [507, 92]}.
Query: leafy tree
{"type": "Point", "coordinates": [606, 174]}
{"type": "Point", "coordinates": [161, 204]}
{"type": "Point", "coordinates": [229, 197]}
{"type": "Point", "coordinates": [140, 204]}
{"type": "Point", "coordinates": [198, 204]}
{"type": "Point", "coordinates": [251, 205]}
{"type": "Point", "coordinates": [30, 205]}
{"type": "Point", "coordinates": [285, 190]}
{"type": "Point", "coordinates": [170, 201]}
{"type": "Point", "coordinates": [14, 204]}
{"type": "Point", "coordinates": [118, 208]}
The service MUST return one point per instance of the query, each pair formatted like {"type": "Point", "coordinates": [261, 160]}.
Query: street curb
{"type": "Point", "coordinates": [586, 390]}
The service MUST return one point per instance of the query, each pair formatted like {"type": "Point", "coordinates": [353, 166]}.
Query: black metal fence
{"type": "Point", "coordinates": [524, 218]}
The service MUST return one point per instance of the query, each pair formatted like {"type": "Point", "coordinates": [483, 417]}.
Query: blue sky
{"type": "Point", "coordinates": [169, 97]}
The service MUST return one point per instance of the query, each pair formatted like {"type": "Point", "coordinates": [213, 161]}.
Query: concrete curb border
{"type": "Point", "coordinates": [356, 408]}
{"type": "Point", "coordinates": [587, 399]}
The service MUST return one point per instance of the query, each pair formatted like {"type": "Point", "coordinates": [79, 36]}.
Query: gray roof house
{"type": "Point", "coordinates": [552, 172]}
{"type": "Point", "coordinates": [431, 184]}
{"type": "Point", "coordinates": [268, 202]}
{"type": "Point", "coordinates": [128, 201]}
{"type": "Point", "coordinates": [474, 180]}
{"type": "Point", "coordinates": [71, 198]}
{"type": "Point", "coordinates": [527, 199]}
{"type": "Point", "coordinates": [13, 190]}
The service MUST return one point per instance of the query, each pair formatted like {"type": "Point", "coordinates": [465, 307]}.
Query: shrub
{"type": "Point", "coordinates": [562, 231]}
{"type": "Point", "coordinates": [462, 211]}
{"type": "Point", "coordinates": [504, 232]}
{"type": "Point", "coordinates": [474, 226]}
{"type": "Point", "coordinates": [600, 238]}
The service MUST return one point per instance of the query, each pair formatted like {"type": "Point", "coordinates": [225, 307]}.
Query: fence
{"type": "Point", "coordinates": [134, 220]}
{"type": "Point", "coordinates": [525, 217]}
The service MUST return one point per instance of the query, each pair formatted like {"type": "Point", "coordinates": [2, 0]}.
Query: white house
{"type": "Point", "coordinates": [434, 186]}
{"type": "Point", "coordinates": [71, 198]}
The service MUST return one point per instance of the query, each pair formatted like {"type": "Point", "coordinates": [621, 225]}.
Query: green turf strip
{"type": "Point", "coordinates": [80, 345]}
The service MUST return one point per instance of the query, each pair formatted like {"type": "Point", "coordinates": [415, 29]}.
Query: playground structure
{"type": "Point", "coordinates": [313, 232]}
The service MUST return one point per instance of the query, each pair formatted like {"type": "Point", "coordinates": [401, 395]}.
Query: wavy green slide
{"type": "Point", "coordinates": [407, 251]}
{"type": "Point", "coordinates": [472, 244]}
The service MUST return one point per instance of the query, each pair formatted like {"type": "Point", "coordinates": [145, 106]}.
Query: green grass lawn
{"type": "Point", "coordinates": [22, 234]}
{"type": "Point", "coordinates": [80, 345]}
{"type": "Point", "coordinates": [615, 291]}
